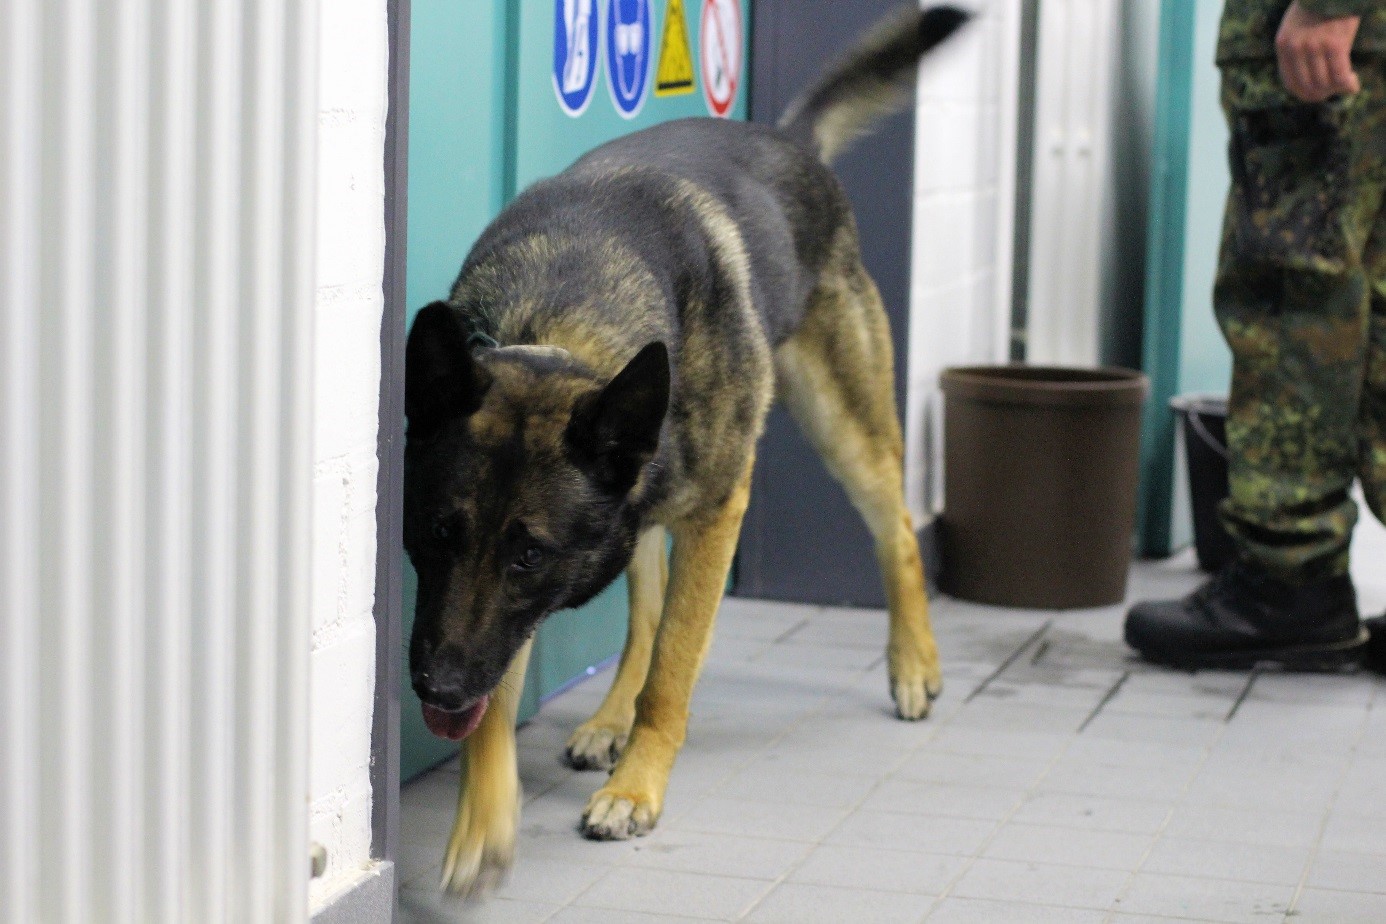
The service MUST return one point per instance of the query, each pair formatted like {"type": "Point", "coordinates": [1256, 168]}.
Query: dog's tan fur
{"type": "Point", "coordinates": [599, 741]}
{"type": "Point", "coordinates": [482, 845]}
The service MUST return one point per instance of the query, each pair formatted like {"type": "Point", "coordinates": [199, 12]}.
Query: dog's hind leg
{"type": "Point", "coordinates": [630, 803]}
{"type": "Point", "coordinates": [482, 845]}
{"type": "Point", "coordinates": [835, 376]}
{"type": "Point", "coordinates": [597, 743]}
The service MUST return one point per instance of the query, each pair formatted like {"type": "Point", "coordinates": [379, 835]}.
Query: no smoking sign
{"type": "Point", "coordinates": [720, 42]}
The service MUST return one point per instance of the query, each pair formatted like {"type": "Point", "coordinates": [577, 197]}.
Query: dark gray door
{"type": "Point", "coordinates": [801, 539]}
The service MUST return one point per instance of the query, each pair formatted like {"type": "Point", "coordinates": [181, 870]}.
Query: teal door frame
{"type": "Point", "coordinates": [458, 132]}
{"type": "Point", "coordinates": [1183, 349]}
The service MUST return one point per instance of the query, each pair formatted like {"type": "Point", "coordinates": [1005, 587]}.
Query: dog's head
{"type": "Point", "coordinates": [520, 467]}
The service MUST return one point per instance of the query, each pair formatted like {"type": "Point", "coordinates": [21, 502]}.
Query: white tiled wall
{"type": "Point", "coordinates": [961, 260]}
{"type": "Point", "coordinates": [351, 250]}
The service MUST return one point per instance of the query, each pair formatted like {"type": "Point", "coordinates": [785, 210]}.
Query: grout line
{"type": "Point", "coordinates": [1314, 848]}
{"type": "Point", "coordinates": [881, 779]}
{"type": "Point", "coordinates": [1102, 703]}
{"type": "Point", "coordinates": [1241, 697]}
{"type": "Point", "coordinates": [1010, 659]}
{"type": "Point", "coordinates": [1160, 832]}
{"type": "Point", "coordinates": [980, 853]}
{"type": "Point", "coordinates": [789, 633]}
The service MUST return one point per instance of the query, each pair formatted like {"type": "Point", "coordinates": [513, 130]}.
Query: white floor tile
{"type": "Point", "coordinates": [923, 833]}
{"type": "Point", "coordinates": [1206, 899]}
{"type": "Point", "coordinates": [1041, 883]}
{"type": "Point", "coordinates": [954, 910]}
{"type": "Point", "coordinates": [955, 800]}
{"type": "Point", "coordinates": [687, 851]}
{"type": "Point", "coordinates": [1051, 844]}
{"type": "Point", "coordinates": [803, 903]}
{"type": "Point", "coordinates": [1345, 871]}
{"type": "Point", "coordinates": [1270, 863]}
{"type": "Point", "coordinates": [1097, 813]}
{"type": "Point", "coordinates": [654, 891]}
{"type": "Point", "coordinates": [1320, 906]}
{"type": "Point", "coordinates": [877, 869]}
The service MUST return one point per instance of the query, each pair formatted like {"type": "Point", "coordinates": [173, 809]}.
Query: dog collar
{"type": "Point", "coordinates": [478, 339]}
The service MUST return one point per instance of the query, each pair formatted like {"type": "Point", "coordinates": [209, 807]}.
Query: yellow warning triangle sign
{"type": "Point", "coordinates": [675, 73]}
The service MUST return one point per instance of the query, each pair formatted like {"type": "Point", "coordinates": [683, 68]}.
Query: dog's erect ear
{"type": "Point", "coordinates": [616, 431]}
{"type": "Point", "coordinates": [441, 379]}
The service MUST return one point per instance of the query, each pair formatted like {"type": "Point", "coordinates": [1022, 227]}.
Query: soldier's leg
{"type": "Point", "coordinates": [1292, 299]}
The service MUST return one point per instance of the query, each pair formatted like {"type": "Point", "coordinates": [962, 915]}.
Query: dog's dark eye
{"type": "Point", "coordinates": [530, 559]}
{"type": "Point", "coordinates": [442, 530]}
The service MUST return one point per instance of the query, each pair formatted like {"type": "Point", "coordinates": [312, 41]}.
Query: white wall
{"type": "Point", "coordinates": [1131, 141]}
{"type": "Point", "coordinates": [963, 187]}
{"type": "Point", "coordinates": [351, 250]}
{"type": "Point", "coordinates": [965, 191]}
{"type": "Point", "coordinates": [1094, 122]}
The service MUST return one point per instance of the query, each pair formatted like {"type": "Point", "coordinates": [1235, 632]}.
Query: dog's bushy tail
{"type": "Point", "coordinates": [873, 80]}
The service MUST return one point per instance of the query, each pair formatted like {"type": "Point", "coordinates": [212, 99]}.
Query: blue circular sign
{"type": "Point", "coordinates": [628, 29]}
{"type": "Point", "coordinates": [576, 50]}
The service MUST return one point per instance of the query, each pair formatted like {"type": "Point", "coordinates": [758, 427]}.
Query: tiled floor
{"type": "Point", "coordinates": [1057, 780]}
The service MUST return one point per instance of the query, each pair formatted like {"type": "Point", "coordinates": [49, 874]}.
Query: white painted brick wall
{"type": "Point", "coordinates": [959, 249]}
{"type": "Point", "coordinates": [351, 259]}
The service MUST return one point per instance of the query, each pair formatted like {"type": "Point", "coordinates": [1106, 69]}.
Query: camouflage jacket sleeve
{"type": "Point", "coordinates": [1332, 8]}
{"type": "Point", "coordinates": [1249, 26]}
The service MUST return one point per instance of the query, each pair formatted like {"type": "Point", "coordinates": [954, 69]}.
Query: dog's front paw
{"type": "Point", "coordinates": [596, 745]}
{"type": "Point", "coordinates": [915, 682]}
{"type": "Point", "coordinates": [481, 848]}
{"type": "Point", "coordinates": [616, 816]}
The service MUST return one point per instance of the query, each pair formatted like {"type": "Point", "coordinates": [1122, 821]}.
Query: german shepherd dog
{"type": "Point", "coordinates": [596, 382]}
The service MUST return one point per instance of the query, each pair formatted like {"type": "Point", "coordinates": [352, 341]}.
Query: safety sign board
{"type": "Point", "coordinates": [674, 75]}
{"type": "Point", "coordinates": [628, 67]}
{"type": "Point", "coordinates": [576, 53]}
{"type": "Point", "coordinates": [720, 53]}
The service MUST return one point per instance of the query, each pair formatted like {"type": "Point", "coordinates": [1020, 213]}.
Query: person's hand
{"type": "Point", "coordinates": [1315, 54]}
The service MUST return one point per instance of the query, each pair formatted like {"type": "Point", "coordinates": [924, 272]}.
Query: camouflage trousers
{"type": "Point", "coordinates": [1301, 298]}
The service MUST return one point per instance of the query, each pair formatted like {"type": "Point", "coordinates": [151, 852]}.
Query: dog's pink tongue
{"type": "Point", "coordinates": [454, 726]}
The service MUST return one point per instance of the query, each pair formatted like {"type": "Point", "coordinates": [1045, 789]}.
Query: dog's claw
{"type": "Point", "coordinates": [613, 817]}
{"type": "Point", "coordinates": [474, 876]}
{"type": "Point", "coordinates": [480, 851]}
{"type": "Point", "coordinates": [913, 698]}
{"type": "Point", "coordinates": [915, 679]}
{"type": "Point", "coordinates": [595, 747]}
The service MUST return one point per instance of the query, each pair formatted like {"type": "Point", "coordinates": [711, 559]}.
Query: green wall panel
{"type": "Point", "coordinates": [457, 119]}
{"type": "Point", "coordinates": [1205, 364]}
{"type": "Point", "coordinates": [456, 146]}
{"type": "Point", "coordinates": [484, 122]}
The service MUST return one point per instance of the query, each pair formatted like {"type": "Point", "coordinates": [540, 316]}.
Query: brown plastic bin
{"type": "Point", "coordinates": [1040, 476]}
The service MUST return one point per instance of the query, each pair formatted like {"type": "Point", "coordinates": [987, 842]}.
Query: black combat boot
{"type": "Point", "coordinates": [1376, 645]}
{"type": "Point", "coordinates": [1242, 617]}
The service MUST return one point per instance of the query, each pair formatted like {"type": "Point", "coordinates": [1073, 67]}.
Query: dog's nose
{"type": "Point", "coordinates": [443, 692]}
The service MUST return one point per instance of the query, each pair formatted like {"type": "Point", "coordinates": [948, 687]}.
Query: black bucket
{"type": "Point", "coordinates": [1204, 419]}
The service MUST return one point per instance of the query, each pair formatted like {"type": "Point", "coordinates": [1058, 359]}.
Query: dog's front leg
{"type": "Point", "coordinates": [598, 742]}
{"type": "Point", "coordinates": [630, 803]}
{"type": "Point", "coordinates": [482, 845]}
